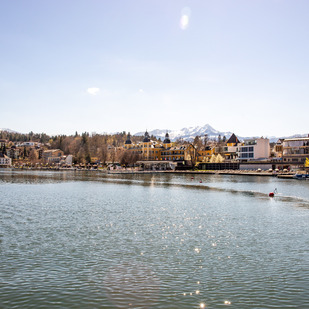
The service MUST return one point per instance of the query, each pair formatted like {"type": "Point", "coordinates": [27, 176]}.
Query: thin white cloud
{"type": "Point", "coordinates": [185, 17]}
{"type": "Point", "coordinates": [93, 90]}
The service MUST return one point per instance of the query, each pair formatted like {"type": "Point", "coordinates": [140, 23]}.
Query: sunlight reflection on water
{"type": "Point", "coordinates": [151, 242]}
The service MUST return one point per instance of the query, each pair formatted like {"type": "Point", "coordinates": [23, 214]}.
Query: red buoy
{"type": "Point", "coordinates": [272, 194]}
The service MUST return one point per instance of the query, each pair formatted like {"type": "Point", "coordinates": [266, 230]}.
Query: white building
{"type": "Point", "coordinates": [27, 144]}
{"type": "Point", "coordinates": [254, 149]}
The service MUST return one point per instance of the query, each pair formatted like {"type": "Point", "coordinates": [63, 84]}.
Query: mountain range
{"type": "Point", "coordinates": [188, 133]}
{"type": "Point", "coordinates": [191, 132]}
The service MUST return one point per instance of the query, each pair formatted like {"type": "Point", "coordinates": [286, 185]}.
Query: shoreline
{"type": "Point", "coordinates": [287, 175]}
{"type": "Point", "coordinates": [284, 175]}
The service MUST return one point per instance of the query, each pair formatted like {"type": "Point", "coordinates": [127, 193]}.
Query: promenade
{"type": "Point", "coordinates": [288, 175]}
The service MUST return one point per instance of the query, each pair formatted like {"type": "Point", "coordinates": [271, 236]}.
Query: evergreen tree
{"type": "Point", "coordinates": [3, 150]}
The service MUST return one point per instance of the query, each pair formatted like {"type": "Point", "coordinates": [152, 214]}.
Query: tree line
{"type": "Point", "coordinates": [84, 147]}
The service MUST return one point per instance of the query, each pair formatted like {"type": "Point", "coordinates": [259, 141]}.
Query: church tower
{"type": "Point", "coordinates": [167, 142]}
{"type": "Point", "coordinates": [146, 146]}
{"type": "Point", "coordinates": [128, 143]}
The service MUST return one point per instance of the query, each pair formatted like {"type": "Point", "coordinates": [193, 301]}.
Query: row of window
{"type": "Point", "coordinates": [246, 149]}
{"type": "Point", "coordinates": [295, 151]}
{"type": "Point", "coordinates": [164, 153]}
{"type": "Point", "coordinates": [174, 158]}
{"type": "Point", "coordinates": [292, 160]}
{"type": "Point", "coordinates": [295, 144]}
{"type": "Point", "coordinates": [246, 155]}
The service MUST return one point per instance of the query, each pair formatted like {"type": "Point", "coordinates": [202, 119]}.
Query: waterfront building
{"type": "Point", "coordinates": [146, 150]}
{"type": "Point", "coordinates": [13, 152]}
{"type": "Point", "coordinates": [173, 153]}
{"type": "Point", "coordinates": [5, 161]}
{"type": "Point", "coordinates": [229, 151]}
{"type": "Point", "coordinates": [3, 142]}
{"type": "Point", "coordinates": [170, 152]}
{"type": "Point", "coordinates": [205, 154]}
{"type": "Point", "coordinates": [149, 150]}
{"type": "Point", "coordinates": [254, 149]}
{"type": "Point", "coordinates": [52, 156]}
{"type": "Point", "coordinates": [277, 149]}
{"type": "Point", "coordinates": [295, 150]}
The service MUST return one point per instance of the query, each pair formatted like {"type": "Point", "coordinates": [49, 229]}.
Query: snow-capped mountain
{"type": "Point", "coordinates": [191, 132]}
{"type": "Point", "coordinates": [8, 130]}
{"type": "Point", "coordinates": [188, 133]}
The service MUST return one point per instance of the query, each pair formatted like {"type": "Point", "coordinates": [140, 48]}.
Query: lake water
{"type": "Point", "coordinates": [91, 240]}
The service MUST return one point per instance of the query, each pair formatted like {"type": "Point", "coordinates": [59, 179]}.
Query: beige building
{"type": "Point", "coordinates": [149, 150]}
{"type": "Point", "coordinates": [52, 156]}
{"type": "Point", "coordinates": [295, 150]}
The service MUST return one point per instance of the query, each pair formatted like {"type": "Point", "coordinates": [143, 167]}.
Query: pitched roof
{"type": "Point", "coordinates": [233, 139]}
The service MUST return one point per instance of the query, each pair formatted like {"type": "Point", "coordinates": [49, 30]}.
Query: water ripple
{"type": "Point", "coordinates": [164, 242]}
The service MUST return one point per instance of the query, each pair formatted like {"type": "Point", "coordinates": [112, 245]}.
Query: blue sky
{"type": "Point", "coordinates": [106, 66]}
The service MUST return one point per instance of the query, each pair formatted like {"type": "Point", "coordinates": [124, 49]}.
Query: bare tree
{"type": "Point", "coordinates": [75, 145]}
{"type": "Point", "coordinates": [33, 156]}
{"type": "Point", "coordinates": [103, 153]}
{"type": "Point", "coordinates": [219, 159]}
{"type": "Point", "coordinates": [112, 154]}
{"type": "Point", "coordinates": [193, 150]}
{"type": "Point", "coordinates": [125, 158]}
{"type": "Point", "coordinates": [128, 158]}
{"type": "Point", "coordinates": [212, 159]}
